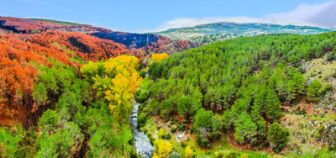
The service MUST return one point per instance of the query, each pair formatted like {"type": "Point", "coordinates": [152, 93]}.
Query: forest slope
{"type": "Point", "coordinates": [244, 89]}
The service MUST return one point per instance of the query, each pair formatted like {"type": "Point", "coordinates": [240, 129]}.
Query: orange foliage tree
{"type": "Point", "coordinates": [21, 55]}
{"type": "Point", "coordinates": [86, 46]}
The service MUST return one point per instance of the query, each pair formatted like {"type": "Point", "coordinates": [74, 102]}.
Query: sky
{"type": "Point", "coordinates": [158, 15]}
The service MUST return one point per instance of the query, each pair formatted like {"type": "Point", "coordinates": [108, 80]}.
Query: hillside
{"type": "Point", "coordinates": [21, 25]}
{"type": "Point", "coordinates": [56, 95]}
{"type": "Point", "coordinates": [64, 91]}
{"type": "Point", "coordinates": [258, 93]}
{"type": "Point", "coordinates": [208, 33]}
{"type": "Point", "coordinates": [147, 43]}
{"type": "Point", "coordinates": [22, 55]}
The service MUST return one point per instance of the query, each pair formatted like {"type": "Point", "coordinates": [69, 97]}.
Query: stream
{"type": "Point", "coordinates": [142, 143]}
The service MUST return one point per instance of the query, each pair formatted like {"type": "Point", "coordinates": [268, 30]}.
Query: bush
{"type": "Point", "coordinates": [162, 148]}
{"type": "Point", "coordinates": [142, 118]}
{"type": "Point", "coordinates": [331, 56]}
{"type": "Point", "coordinates": [110, 142]}
{"type": "Point", "coordinates": [49, 120]}
{"type": "Point", "coordinates": [181, 127]}
{"type": "Point", "coordinates": [164, 134]}
{"type": "Point", "coordinates": [277, 137]}
{"type": "Point", "coordinates": [9, 141]}
{"type": "Point", "coordinates": [203, 140]}
{"type": "Point", "coordinates": [40, 94]}
{"type": "Point", "coordinates": [173, 129]}
{"type": "Point", "coordinates": [315, 91]}
{"type": "Point", "coordinates": [328, 135]}
{"type": "Point", "coordinates": [174, 155]}
{"type": "Point", "coordinates": [65, 142]}
{"type": "Point", "coordinates": [189, 152]}
{"type": "Point", "coordinates": [245, 128]}
{"type": "Point", "coordinates": [202, 119]}
{"type": "Point", "coordinates": [134, 154]}
{"type": "Point", "coordinates": [143, 92]}
{"type": "Point", "coordinates": [187, 106]}
{"type": "Point", "coordinates": [217, 124]}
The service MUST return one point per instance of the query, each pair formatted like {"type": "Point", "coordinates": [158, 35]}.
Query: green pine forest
{"type": "Point", "coordinates": [239, 89]}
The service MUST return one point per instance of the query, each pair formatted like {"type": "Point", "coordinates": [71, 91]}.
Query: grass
{"type": "Point", "coordinates": [222, 147]}
{"type": "Point", "coordinates": [320, 69]}
{"type": "Point", "coordinates": [304, 130]}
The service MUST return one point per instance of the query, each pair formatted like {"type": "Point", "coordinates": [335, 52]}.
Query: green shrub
{"type": "Point", "coordinates": [331, 56]}
{"type": "Point", "coordinates": [202, 119]}
{"type": "Point", "coordinates": [40, 94]}
{"type": "Point", "coordinates": [9, 141]}
{"type": "Point", "coordinates": [188, 105]}
{"type": "Point", "coordinates": [315, 91]}
{"type": "Point", "coordinates": [174, 155]}
{"type": "Point", "coordinates": [217, 124]}
{"type": "Point", "coordinates": [65, 142]}
{"type": "Point", "coordinates": [142, 119]}
{"type": "Point", "coordinates": [203, 140]}
{"type": "Point", "coordinates": [164, 134]}
{"type": "Point", "coordinates": [49, 121]}
{"type": "Point", "coordinates": [245, 128]}
{"type": "Point", "coordinates": [143, 92]}
{"type": "Point", "coordinates": [277, 137]}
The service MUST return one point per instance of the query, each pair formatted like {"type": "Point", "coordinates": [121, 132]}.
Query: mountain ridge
{"type": "Point", "coordinates": [238, 23]}
{"type": "Point", "coordinates": [207, 33]}
{"type": "Point", "coordinates": [146, 42]}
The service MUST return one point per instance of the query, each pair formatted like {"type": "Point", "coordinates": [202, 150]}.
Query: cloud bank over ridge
{"type": "Point", "coordinates": [321, 15]}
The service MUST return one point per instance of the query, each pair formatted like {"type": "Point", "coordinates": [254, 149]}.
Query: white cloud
{"type": "Point", "coordinates": [322, 15]}
{"type": "Point", "coordinates": [189, 22]}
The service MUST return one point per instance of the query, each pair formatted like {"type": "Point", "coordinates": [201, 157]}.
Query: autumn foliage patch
{"type": "Point", "coordinates": [22, 54]}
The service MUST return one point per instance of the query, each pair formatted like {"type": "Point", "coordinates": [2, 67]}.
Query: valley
{"type": "Point", "coordinates": [217, 90]}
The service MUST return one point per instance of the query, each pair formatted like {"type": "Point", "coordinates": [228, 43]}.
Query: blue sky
{"type": "Point", "coordinates": [154, 15]}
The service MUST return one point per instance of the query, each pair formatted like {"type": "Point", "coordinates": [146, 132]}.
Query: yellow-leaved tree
{"type": "Point", "coordinates": [162, 148]}
{"type": "Point", "coordinates": [116, 80]}
{"type": "Point", "coordinates": [156, 57]}
{"type": "Point", "coordinates": [188, 152]}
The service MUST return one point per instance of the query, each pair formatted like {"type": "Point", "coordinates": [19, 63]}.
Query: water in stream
{"type": "Point", "coordinates": [142, 143]}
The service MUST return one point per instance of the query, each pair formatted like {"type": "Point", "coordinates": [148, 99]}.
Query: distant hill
{"type": "Point", "coordinates": [23, 25]}
{"type": "Point", "coordinates": [147, 43]}
{"type": "Point", "coordinates": [133, 40]}
{"type": "Point", "coordinates": [220, 31]}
